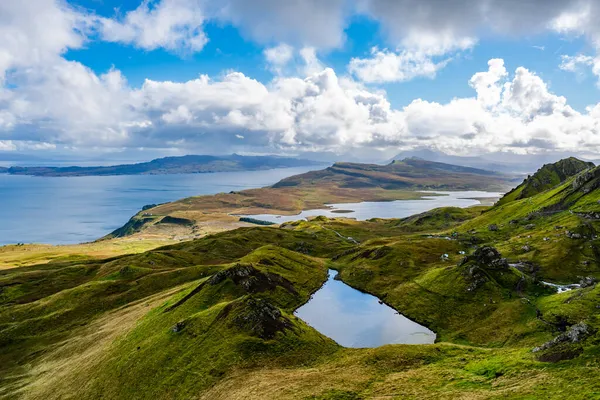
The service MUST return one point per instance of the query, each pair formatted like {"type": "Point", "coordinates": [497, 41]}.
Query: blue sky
{"type": "Point", "coordinates": [388, 75]}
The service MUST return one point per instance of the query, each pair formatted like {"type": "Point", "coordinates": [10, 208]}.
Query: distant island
{"type": "Point", "coordinates": [190, 164]}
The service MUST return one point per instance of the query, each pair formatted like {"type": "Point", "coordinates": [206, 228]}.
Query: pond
{"type": "Point", "coordinates": [388, 209]}
{"type": "Point", "coordinates": [356, 319]}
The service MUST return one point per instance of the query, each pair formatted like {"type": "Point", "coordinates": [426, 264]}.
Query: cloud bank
{"type": "Point", "coordinates": [48, 101]}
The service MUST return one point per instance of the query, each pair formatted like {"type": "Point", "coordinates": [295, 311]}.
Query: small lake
{"type": "Point", "coordinates": [356, 319]}
{"type": "Point", "coordinates": [388, 209]}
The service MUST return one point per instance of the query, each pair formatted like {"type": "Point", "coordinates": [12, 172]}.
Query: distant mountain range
{"type": "Point", "coordinates": [498, 161]}
{"type": "Point", "coordinates": [190, 164]}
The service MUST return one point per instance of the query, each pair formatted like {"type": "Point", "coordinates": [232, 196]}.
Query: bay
{"type": "Point", "coordinates": [68, 210]}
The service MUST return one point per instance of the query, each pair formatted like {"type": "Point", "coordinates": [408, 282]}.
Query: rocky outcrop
{"type": "Point", "coordinates": [477, 266]}
{"type": "Point", "coordinates": [564, 346]}
{"type": "Point", "coordinates": [587, 180]}
{"type": "Point", "coordinates": [587, 281]}
{"type": "Point", "coordinates": [261, 318]}
{"type": "Point", "coordinates": [251, 279]}
{"type": "Point", "coordinates": [549, 176]}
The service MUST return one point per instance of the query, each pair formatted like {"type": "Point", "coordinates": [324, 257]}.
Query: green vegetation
{"type": "Point", "coordinates": [212, 318]}
{"type": "Point", "coordinates": [256, 221]}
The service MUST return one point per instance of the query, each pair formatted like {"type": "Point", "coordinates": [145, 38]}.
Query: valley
{"type": "Point", "coordinates": [214, 317]}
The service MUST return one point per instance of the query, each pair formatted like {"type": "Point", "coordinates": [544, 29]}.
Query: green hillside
{"type": "Point", "coordinates": [547, 177]}
{"type": "Point", "coordinates": [213, 318]}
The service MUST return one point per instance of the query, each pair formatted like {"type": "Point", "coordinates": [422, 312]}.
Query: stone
{"type": "Point", "coordinates": [178, 327]}
{"type": "Point", "coordinates": [493, 228]}
{"type": "Point", "coordinates": [587, 281]}
{"type": "Point", "coordinates": [575, 334]}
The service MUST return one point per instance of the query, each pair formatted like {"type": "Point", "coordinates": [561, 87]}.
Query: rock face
{"type": "Point", "coordinates": [562, 347]}
{"type": "Point", "coordinates": [489, 258]}
{"type": "Point", "coordinates": [251, 279]}
{"type": "Point", "coordinates": [262, 319]}
{"type": "Point", "coordinates": [587, 281]}
{"type": "Point", "coordinates": [586, 181]}
{"type": "Point", "coordinates": [551, 175]}
{"type": "Point", "coordinates": [485, 259]}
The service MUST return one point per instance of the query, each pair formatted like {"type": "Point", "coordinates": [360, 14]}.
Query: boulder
{"type": "Point", "coordinates": [587, 281]}
{"type": "Point", "coordinates": [575, 334]}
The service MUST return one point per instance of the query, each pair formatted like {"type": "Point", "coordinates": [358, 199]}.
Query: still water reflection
{"type": "Point", "coordinates": [356, 319]}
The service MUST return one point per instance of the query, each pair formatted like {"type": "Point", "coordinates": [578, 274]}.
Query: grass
{"type": "Point", "coordinates": [12, 256]}
{"type": "Point", "coordinates": [212, 318]}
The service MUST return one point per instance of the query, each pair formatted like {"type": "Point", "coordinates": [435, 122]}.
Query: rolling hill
{"type": "Point", "coordinates": [213, 318]}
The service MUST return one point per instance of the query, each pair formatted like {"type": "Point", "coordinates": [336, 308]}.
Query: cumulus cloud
{"type": "Point", "coordinates": [580, 63]}
{"type": "Point", "coordinates": [175, 25]}
{"type": "Point", "coordinates": [38, 31]}
{"type": "Point", "coordinates": [387, 66]}
{"type": "Point", "coordinates": [46, 100]}
{"type": "Point", "coordinates": [279, 56]}
{"type": "Point", "coordinates": [323, 112]}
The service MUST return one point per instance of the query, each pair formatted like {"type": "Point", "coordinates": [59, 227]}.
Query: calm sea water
{"type": "Point", "coordinates": [59, 210]}
{"type": "Point", "coordinates": [356, 319]}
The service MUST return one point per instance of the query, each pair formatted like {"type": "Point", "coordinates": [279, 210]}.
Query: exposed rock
{"type": "Point", "coordinates": [582, 181]}
{"type": "Point", "coordinates": [251, 279]}
{"type": "Point", "coordinates": [575, 334]}
{"type": "Point", "coordinates": [573, 235]}
{"type": "Point", "coordinates": [493, 228]}
{"type": "Point", "coordinates": [587, 281]}
{"type": "Point", "coordinates": [484, 259]}
{"type": "Point", "coordinates": [262, 319]}
{"type": "Point", "coordinates": [178, 327]}
{"type": "Point", "coordinates": [526, 248]}
{"type": "Point", "coordinates": [530, 226]}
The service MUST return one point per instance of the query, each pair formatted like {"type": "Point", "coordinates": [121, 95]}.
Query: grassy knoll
{"type": "Point", "coordinates": [212, 318]}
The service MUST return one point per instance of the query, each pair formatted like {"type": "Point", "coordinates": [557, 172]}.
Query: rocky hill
{"type": "Point", "coordinates": [213, 318]}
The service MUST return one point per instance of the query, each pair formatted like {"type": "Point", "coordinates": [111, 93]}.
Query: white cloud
{"type": "Point", "coordinates": [38, 31]}
{"type": "Point", "coordinates": [49, 101]}
{"type": "Point", "coordinates": [279, 56]}
{"type": "Point", "coordinates": [486, 84]}
{"type": "Point", "coordinates": [387, 66]}
{"type": "Point", "coordinates": [175, 25]}
{"type": "Point", "coordinates": [319, 113]}
{"type": "Point", "coordinates": [580, 63]}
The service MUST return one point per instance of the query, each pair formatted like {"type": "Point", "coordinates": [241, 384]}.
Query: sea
{"type": "Point", "coordinates": [68, 210]}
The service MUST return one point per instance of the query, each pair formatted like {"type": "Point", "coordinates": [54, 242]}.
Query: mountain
{"type": "Point", "coordinates": [190, 164]}
{"type": "Point", "coordinates": [213, 318]}
{"type": "Point", "coordinates": [547, 177]}
{"type": "Point", "coordinates": [340, 183]}
{"type": "Point", "coordinates": [495, 161]}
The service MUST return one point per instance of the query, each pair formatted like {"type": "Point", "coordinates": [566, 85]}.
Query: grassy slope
{"type": "Point", "coordinates": [76, 329]}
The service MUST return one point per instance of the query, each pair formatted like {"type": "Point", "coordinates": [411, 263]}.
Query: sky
{"type": "Point", "coordinates": [332, 79]}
